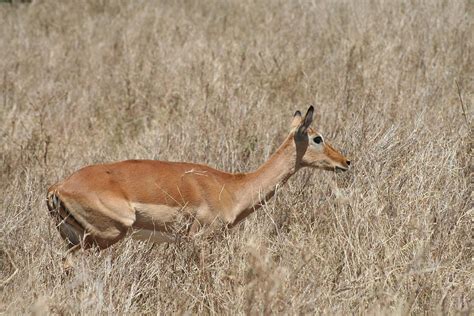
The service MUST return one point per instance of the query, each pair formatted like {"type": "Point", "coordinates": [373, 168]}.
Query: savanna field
{"type": "Point", "coordinates": [217, 82]}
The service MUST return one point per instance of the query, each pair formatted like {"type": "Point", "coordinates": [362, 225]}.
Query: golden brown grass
{"type": "Point", "coordinates": [85, 82]}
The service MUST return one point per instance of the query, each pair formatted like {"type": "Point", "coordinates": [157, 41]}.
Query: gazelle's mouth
{"type": "Point", "coordinates": [340, 169]}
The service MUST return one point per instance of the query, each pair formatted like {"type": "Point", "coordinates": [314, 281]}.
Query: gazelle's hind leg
{"type": "Point", "coordinates": [105, 232]}
{"type": "Point", "coordinates": [69, 228]}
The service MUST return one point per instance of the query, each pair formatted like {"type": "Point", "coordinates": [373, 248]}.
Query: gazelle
{"type": "Point", "coordinates": [159, 200]}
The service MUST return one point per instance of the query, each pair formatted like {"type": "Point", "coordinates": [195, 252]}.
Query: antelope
{"type": "Point", "coordinates": [162, 201]}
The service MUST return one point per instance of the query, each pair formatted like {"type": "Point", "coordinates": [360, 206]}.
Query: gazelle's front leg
{"type": "Point", "coordinates": [203, 218]}
{"type": "Point", "coordinates": [200, 232]}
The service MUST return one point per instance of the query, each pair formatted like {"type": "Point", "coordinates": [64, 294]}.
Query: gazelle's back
{"type": "Point", "coordinates": [159, 182]}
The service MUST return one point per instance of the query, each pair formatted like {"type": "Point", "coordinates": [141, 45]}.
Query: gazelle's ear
{"type": "Point", "coordinates": [296, 120]}
{"type": "Point", "coordinates": [306, 122]}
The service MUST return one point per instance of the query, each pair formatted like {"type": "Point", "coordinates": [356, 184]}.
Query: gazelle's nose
{"type": "Point", "coordinates": [348, 162]}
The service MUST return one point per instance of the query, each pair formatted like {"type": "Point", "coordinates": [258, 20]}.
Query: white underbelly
{"type": "Point", "coordinates": [156, 212]}
{"type": "Point", "coordinates": [162, 222]}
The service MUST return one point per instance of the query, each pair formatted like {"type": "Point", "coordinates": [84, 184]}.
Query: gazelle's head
{"type": "Point", "coordinates": [312, 149]}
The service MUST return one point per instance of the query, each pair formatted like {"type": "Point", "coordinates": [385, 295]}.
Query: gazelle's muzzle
{"type": "Point", "coordinates": [339, 162]}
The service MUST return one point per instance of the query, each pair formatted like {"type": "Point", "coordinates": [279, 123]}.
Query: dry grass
{"type": "Point", "coordinates": [84, 82]}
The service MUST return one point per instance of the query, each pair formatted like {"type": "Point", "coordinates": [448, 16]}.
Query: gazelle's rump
{"type": "Point", "coordinates": [69, 228]}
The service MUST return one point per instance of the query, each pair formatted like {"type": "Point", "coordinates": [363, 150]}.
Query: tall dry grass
{"type": "Point", "coordinates": [84, 82]}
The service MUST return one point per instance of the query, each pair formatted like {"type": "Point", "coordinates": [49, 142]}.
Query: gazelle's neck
{"type": "Point", "coordinates": [260, 185]}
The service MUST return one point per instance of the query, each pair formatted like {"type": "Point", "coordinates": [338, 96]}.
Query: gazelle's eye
{"type": "Point", "coordinates": [318, 139]}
